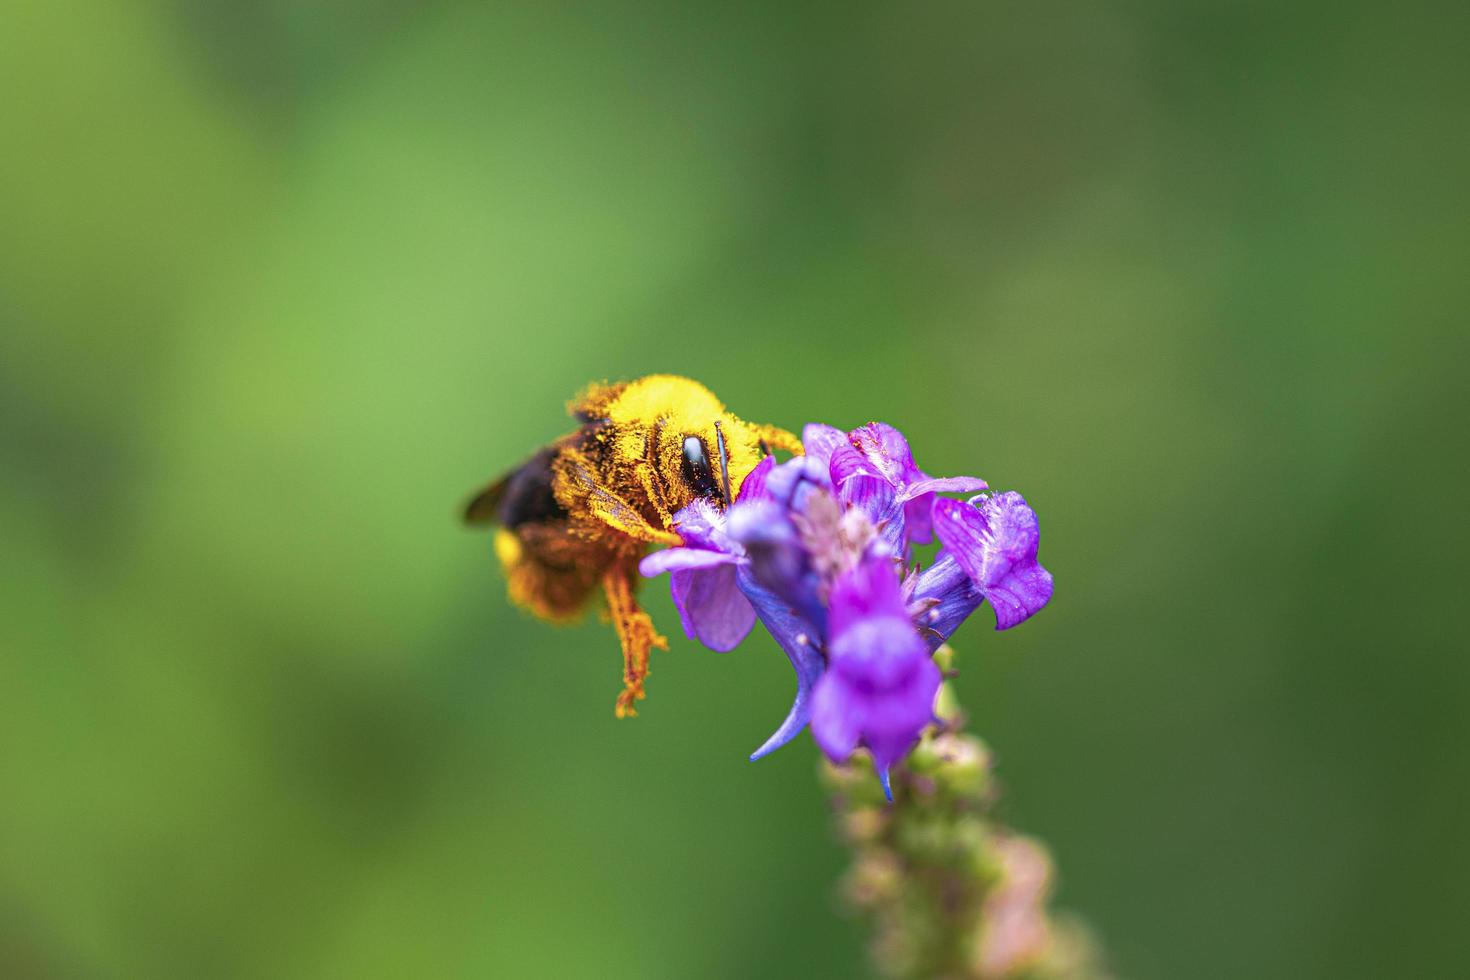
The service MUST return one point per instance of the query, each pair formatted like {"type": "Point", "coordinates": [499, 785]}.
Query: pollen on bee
{"type": "Point", "coordinates": [630, 446]}
{"type": "Point", "coordinates": [507, 547]}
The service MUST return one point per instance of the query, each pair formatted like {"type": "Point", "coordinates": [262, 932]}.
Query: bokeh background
{"type": "Point", "coordinates": [280, 283]}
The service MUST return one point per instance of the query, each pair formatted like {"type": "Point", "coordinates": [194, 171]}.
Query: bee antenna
{"type": "Point", "coordinates": [724, 462]}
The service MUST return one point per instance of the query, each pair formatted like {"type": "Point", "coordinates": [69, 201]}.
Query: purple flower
{"type": "Point", "coordinates": [815, 549]}
{"type": "Point", "coordinates": [879, 687]}
{"type": "Point", "coordinates": [870, 456]}
{"type": "Point", "coordinates": [994, 540]}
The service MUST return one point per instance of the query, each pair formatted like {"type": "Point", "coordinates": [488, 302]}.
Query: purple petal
{"type": "Point", "coordinates": [797, 638]}
{"type": "Point", "coordinates": [711, 606]}
{"type": "Point", "coordinates": [790, 482]}
{"type": "Point", "coordinates": [943, 596]}
{"type": "Point", "coordinates": [753, 487]}
{"type": "Point", "coordinates": [880, 684]}
{"type": "Point", "coordinates": [845, 715]}
{"type": "Point", "coordinates": [878, 653]}
{"type": "Point", "coordinates": [944, 484]}
{"type": "Point", "coordinates": [896, 718]}
{"type": "Point", "coordinates": [682, 560]}
{"type": "Point", "coordinates": [886, 447]}
{"type": "Point", "coordinates": [918, 501]}
{"type": "Point", "coordinates": [870, 590]}
{"type": "Point", "coordinates": [1019, 595]}
{"type": "Point", "coordinates": [918, 519]}
{"type": "Point", "coordinates": [995, 542]}
{"type": "Point", "coordinates": [878, 499]}
{"type": "Point", "coordinates": [761, 522]}
{"type": "Point", "coordinates": [776, 557]}
{"type": "Point", "coordinates": [846, 462]}
{"type": "Point", "coordinates": [701, 525]}
{"type": "Point", "coordinates": [836, 718]}
{"type": "Point", "coordinates": [820, 440]}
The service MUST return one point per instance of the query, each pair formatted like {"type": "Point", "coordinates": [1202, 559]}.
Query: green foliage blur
{"type": "Point", "coordinates": [281, 283]}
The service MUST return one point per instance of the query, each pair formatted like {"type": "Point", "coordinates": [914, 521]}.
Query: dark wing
{"type": "Point", "coordinates": [483, 508]}
{"type": "Point", "coordinates": [522, 496]}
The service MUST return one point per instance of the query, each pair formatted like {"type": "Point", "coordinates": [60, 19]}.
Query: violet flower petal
{"type": "Point", "coordinates": [683, 559]}
{"type": "Point", "coordinates": [940, 598]}
{"type": "Point", "coordinates": [820, 440]}
{"type": "Point", "coordinates": [777, 558]}
{"type": "Point", "coordinates": [753, 487]}
{"type": "Point", "coordinates": [846, 462]}
{"type": "Point", "coordinates": [918, 519]}
{"type": "Point", "coordinates": [878, 499]}
{"type": "Point", "coordinates": [870, 590]}
{"type": "Point", "coordinates": [797, 638]}
{"type": "Point", "coordinates": [836, 719]}
{"type": "Point", "coordinates": [701, 525]}
{"type": "Point", "coordinates": [897, 717]}
{"type": "Point", "coordinates": [888, 722]}
{"type": "Point", "coordinates": [918, 503]}
{"type": "Point", "coordinates": [703, 579]}
{"type": "Point", "coordinates": [880, 451]}
{"type": "Point", "coordinates": [878, 652]}
{"type": "Point", "coordinates": [995, 541]}
{"type": "Point", "coordinates": [888, 450]}
{"type": "Point", "coordinates": [1020, 595]}
{"type": "Point", "coordinates": [944, 484]}
{"type": "Point", "coordinates": [880, 684]}
{"type": "Point", "coordinates": [790, 482]}
{"type": "Point", "coordinates": [711, 606]}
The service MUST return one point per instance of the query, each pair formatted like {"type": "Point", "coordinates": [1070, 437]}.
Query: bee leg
{"type": "Point", "coordinates": [654, 494]}
{"type": "Point", "coordinates": [578, 488]}
{"type": "Point", "coordinates": [635, 632]}
{"type": "Point", "coordinates": [778, 438]}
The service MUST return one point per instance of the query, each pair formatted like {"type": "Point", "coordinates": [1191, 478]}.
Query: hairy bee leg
{"type": "Point", "coordinates": [635, 632]}
{"type": "Point", "coordinates": [577, 488]}
{"type": "Point", "coordinates": [778, 438]}
{"type": "Point", "coordinates": [647, 477]}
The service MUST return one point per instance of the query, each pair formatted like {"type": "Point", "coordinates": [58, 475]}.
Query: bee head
{"type": "Point", "coordinates": [710, 462]}
{"type": "Point", "coordinates": [698, 450]}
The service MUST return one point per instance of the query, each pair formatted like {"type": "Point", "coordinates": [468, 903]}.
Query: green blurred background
{"type": "Point", "coordinates": [280, 283]}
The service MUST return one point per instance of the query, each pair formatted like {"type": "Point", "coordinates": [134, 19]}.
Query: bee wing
{"type": "Point", "coordinates": [520, 496]}
{"type": "Point", "coordinates": [577, 479]}
{"type": "Point", "coordinates": [483, 506]}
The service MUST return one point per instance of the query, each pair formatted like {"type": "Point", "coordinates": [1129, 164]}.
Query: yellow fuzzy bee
{"type": "Point", "coordinates": [581, 512]}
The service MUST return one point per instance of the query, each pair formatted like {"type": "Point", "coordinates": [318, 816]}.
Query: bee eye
{"type": "Point", "coordinates": [697, 472]}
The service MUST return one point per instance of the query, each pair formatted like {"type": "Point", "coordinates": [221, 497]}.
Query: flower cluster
{"type": "Point", "coordinates": [819, 550]}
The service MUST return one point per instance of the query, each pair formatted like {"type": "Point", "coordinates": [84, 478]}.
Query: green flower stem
{"type": "Point", "coordinates": [950, 893]}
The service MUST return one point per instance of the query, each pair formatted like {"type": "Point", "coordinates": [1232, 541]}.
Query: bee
{"type": "Point", "coordinates": [581, 512]}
